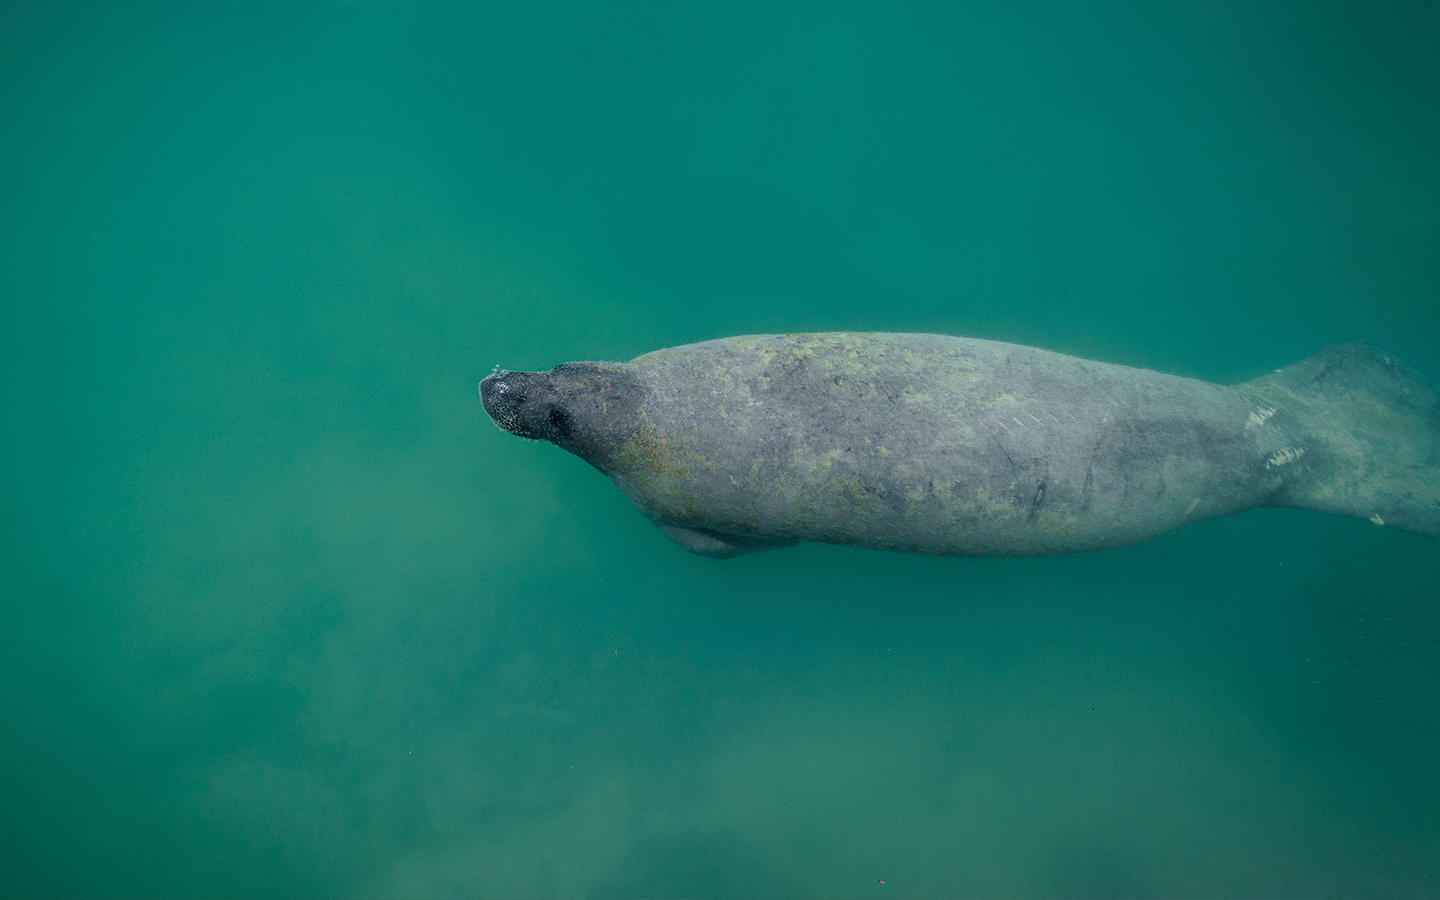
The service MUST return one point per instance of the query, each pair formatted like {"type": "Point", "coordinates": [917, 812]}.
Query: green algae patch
{"type": "Point", "coordinates": [653, 460]}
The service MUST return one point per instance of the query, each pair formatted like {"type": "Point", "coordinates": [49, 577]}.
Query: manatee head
{"type": "Point", "coordinates": [586, 408]}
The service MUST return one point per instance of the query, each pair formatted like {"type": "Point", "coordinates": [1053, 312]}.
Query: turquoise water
{"type": "Point", "coordinates": [287, 615]}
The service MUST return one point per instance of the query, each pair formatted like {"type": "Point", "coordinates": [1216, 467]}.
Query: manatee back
{"type": "Point", "coordinates": [929, 444]}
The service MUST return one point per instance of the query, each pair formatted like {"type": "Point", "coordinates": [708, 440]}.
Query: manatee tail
{"type": "Point", "coordinates": [1372, 426]}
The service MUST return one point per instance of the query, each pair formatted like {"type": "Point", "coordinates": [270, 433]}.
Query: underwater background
{"type": "Point", "coordinates": [286, 615]}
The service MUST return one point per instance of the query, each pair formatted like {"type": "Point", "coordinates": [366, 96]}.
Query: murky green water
{"type": "Point", "coordinates": [286, 615]}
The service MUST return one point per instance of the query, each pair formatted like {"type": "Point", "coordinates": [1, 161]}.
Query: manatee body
{"type": "Point", "coordinates": [943, 445]}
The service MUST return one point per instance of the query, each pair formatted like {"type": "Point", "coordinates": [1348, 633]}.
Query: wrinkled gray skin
{"type": "Point", "coordinates": [942, 445]}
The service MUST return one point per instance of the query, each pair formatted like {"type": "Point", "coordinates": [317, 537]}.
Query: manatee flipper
{"type": "Point", "coordinates": [1372, 447]}
{"type": "Point", "coordinates": [717, 545]}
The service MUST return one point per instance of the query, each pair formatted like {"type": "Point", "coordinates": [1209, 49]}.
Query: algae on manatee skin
{"type": "Point", "coordinates": [652, 465]}
{"type": "Point", "coordinates": [767, 390]}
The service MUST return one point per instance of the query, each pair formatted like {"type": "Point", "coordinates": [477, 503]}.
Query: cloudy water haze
{"type": "Point", "coordinates": [287, 615]}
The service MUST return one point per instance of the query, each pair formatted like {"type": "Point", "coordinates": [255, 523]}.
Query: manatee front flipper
{"type": "Point", "coordinates": [716, 545]}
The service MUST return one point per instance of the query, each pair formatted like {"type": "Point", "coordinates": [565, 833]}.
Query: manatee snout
{"type": "Point", "coordinates": [523, 404]}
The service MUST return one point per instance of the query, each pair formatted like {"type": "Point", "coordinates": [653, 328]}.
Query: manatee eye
{"type": "Point", "coordinates": [559, 421]}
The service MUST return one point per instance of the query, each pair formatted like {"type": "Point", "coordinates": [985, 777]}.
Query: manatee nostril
{"type": "Point", "coordinates": [494, 389]}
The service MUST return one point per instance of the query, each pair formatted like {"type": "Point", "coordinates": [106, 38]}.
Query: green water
{"type": "Point", "coordinates": [285, 614]}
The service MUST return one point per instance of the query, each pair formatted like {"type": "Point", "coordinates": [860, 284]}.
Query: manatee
{"type": "Point", "coordinates": [932, 444]}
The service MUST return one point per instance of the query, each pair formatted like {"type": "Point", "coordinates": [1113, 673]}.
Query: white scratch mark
{"type": "Point", "coordinates": [1285, 457]}
{"type": "Point", "coordinates": [1259, 416]}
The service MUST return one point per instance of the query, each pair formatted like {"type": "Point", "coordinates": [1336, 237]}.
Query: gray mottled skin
{"type": "Point", "coordinates": [932, 444]}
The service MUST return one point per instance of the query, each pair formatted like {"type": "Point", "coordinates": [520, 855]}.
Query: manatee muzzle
{"type": "Point", "coordinates": [504, 396]}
